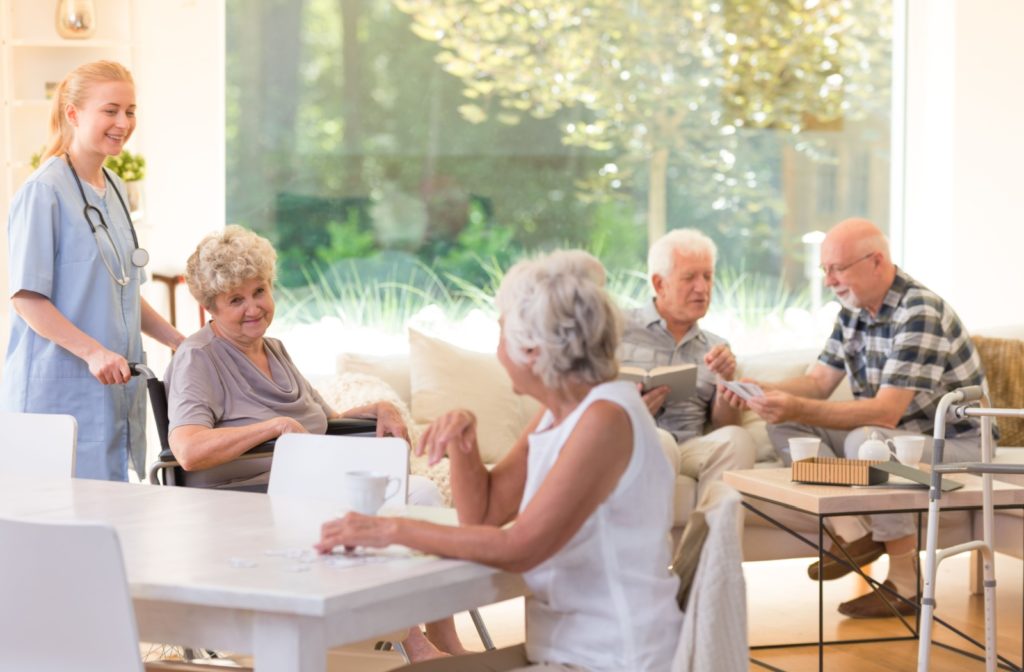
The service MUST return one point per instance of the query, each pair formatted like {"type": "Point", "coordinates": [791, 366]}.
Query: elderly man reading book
{"type": "Point", "coordinates": [666, 333]}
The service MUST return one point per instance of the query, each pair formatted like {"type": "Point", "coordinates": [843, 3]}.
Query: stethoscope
{"type": "Point", "coordinates": [139, 256]}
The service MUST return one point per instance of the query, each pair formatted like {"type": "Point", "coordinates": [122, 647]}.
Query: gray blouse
{"type": "Point", "coordinates": [211, 383]}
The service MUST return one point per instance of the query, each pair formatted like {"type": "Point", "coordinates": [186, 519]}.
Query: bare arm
{"type": "Point", "coordinates": [482, 496]}
{"type": "Point", "coordinates": [722, 412]}
{"type": "Point", "coordinates": [198, 447]}
{"type": "Point", "coordinates": [722, 362]}
{"type": "Point", "coordinates": [42, 317]}
{"type": "Point", "coordinates": [884, 410]}
{"type": "Point", "coordinates": [389, 419]}
{"type": "Point", "coordinates": [587, 470]}
{"type": "Point", "coordinates": [820, 383]}
{"type": "Point", "coordinates": [154, 325]}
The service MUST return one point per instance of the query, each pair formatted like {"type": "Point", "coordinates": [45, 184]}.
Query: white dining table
{"type": "Point", "coordinates": [235, 571]}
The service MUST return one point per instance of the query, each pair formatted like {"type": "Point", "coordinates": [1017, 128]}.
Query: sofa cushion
{"type": "Point", "coordinates": [392, 369]}
{"type": "Point", "coordinates": [1003, 360]}
{"type": "Point", "coordinates": [444, 377]}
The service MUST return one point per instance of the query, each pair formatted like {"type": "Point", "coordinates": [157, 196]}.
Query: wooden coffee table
{"type": "Point", "coordinates": [775, 486]}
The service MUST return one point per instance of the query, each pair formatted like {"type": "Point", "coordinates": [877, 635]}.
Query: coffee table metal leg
{"type": "Point", "coordinates": [821, 593]}
{"type": "Point", "coordinates": [1003, 662]}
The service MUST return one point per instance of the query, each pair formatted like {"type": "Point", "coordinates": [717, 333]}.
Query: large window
{"type": "Point", "coordinates": [410, 150]}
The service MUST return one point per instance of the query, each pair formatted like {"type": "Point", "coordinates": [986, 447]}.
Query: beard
{"type": "Point", "coordinates": [849, 302]}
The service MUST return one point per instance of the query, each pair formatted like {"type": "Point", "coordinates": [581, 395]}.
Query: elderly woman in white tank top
{"type": "Point", "coordinates": [230, 388]}
{"type": "Point", "coordinates": [587, 486]}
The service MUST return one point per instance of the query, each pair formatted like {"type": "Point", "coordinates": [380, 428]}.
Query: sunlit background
{"type": "Point", "coordinates": [403, 154]}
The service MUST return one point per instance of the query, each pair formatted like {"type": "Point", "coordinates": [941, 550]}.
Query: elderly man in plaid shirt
{"type": "Point", "coordinates": [902, 348]}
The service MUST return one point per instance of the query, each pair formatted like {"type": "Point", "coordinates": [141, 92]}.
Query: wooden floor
{"type": "Point", "coordinates": [783, 607]}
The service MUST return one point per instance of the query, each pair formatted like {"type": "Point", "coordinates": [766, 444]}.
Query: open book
{"type": "Point", "coordinates": [682, 378]}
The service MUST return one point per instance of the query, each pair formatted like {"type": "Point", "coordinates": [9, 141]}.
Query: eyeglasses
{"type": "Point", "coordinates": [833, 269]}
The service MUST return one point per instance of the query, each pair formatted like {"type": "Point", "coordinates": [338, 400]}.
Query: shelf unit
{"type": "Point", "coordinates": [33, 55]}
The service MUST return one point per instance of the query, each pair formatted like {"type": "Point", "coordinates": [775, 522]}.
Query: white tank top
{"type": "Point", "coordinates": [606, 600]}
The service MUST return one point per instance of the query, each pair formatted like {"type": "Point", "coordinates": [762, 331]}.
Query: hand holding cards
{"type": "Point", "coordinates": [745, 391]}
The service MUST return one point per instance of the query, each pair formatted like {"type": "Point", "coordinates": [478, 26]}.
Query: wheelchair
{"type": "Point", "coordinates": [167, 471]}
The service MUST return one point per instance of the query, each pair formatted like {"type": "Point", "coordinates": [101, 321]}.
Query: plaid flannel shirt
{"type": "Point", "coordinates": [915, 342]}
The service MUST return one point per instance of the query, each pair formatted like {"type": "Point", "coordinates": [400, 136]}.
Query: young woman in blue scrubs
{"type": "Point", "coordinates": [75, 269]}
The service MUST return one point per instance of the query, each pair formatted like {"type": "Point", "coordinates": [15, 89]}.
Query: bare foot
{"type": "Point", "coordinates": [418, 647]}
{"type": "Point", "coordinates": [443, 635]}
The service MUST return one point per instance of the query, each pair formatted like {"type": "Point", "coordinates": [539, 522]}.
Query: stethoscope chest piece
{"type": "Point", "coordinates": [140, 257]}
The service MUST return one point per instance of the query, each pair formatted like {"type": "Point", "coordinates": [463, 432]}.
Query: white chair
{"type": "Point", "coordinates": [66, 604]}
{"type": "Point", "coordinates": [38, 444]}
{"type": "Point", "coordinates": [311, 465]}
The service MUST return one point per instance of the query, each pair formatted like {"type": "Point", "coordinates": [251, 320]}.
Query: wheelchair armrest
{"type": "Point", "coordinates": [341, 426]}
{"type": "Point", "coordinates": [335, 427]}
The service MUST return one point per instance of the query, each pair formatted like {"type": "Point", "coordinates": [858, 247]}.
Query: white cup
{"type": "Point", "coordinates": [365, 492]}
{"type": "Point", "coordinates": [803, 447]}
{"type": "Point", "coordinates": [908, 449]}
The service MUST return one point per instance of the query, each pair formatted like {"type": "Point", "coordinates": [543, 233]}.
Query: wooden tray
{"type": "Point", "coordinates": [838, 471]}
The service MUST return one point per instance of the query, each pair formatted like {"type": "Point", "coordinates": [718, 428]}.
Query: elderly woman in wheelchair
{"type": "Point", "coordinates": [231, 388]}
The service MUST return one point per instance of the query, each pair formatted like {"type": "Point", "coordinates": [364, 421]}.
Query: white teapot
{"type": "Point", "coordinates": [874, 449]}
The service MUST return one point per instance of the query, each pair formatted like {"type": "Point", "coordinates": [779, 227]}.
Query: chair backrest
{"type": "Point", "coordinates": [38, 444]}
{"type": "Point", "coordinates": [311, 465]}
{"type": "Point", "coordinates": [64, 599]}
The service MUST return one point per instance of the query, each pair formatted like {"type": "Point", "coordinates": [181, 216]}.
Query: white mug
{"type": "Point", "coordinates": [803, 447]}
{"type": "Point", "coordinates": [907, 449]}
{"type": "Point", "coordinates": [365, 491]}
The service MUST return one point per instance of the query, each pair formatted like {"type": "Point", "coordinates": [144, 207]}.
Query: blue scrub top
{"type": "Point", "coordinates": [52, 252]}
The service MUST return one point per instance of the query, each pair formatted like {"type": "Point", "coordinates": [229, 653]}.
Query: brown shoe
{"type": "Point", "coordinates": [863, 551]}
{"type": "Point", "coordinates": [872, 606]}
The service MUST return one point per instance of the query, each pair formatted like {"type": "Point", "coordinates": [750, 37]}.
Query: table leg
{"type": "Point", "coordinates": [293, 643]}
{"type": "Point", "coordinates": [821, 594]}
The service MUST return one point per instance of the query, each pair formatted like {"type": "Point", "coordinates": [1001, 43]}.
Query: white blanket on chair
{"type": "Point", "coordinates": [714, 632]}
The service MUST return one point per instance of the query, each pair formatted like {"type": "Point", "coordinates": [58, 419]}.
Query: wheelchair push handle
{"type": "Point", "coordinates": [139, 369]}
{"type": "Point", "coordinates": [157, 402]}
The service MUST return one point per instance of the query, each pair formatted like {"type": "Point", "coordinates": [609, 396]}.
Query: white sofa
{"type": "Point", "coordinates": [436, 376]}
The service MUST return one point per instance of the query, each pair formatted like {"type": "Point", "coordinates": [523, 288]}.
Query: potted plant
{"type": "Point", "coordinates": [132, 169]}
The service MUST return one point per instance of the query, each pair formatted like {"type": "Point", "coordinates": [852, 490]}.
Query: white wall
{"type": "Point", "coordinates": [179, 72]}
{"type": "Point", "coordinates": [179, 63]}
{"type": "Point", "coordinates": [964, 233]}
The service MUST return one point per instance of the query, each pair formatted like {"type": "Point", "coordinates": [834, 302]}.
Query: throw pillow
{"type": "Point", "coordinates": [392, 369]}
{"type": "Point", "coordinates": [444, 377]}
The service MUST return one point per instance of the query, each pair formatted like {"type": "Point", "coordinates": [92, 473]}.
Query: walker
{"type": "Point", "coordinates": [958, 405]}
